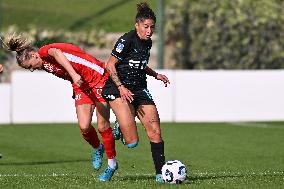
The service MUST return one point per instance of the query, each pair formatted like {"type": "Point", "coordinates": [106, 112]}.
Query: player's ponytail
{"type": "Point", "coordinates": [144, 12]}
{"type": "Point", "coordinates": [20, 45]}
{"type": "Point", "coordinates": [17, 43]}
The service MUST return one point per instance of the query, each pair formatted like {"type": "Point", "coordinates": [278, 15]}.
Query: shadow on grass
{"type": "Point", "coordinates": [41, 162]}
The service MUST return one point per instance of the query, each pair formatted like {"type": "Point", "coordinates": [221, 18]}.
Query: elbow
{"type": "Point", "coordinates": [109, 67]}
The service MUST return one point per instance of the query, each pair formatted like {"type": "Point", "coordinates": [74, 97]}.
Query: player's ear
{"type": "Point", "coordinates": [34, 54]}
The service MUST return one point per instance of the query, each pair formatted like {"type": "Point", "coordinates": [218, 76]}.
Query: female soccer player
{"type": "Point", "coordinates": [87, 75]}
{"type": "Point", "coordinates": [126, 88]}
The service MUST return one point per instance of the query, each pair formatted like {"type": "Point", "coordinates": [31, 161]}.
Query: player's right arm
{"type": "Point", "coordinates": [62, 60]}
{"type": "Point", "coordinates": [110, 67]}
{"type": "Point", "coordinates": [1, 68]}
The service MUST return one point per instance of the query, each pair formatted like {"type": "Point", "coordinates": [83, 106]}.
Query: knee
{"type": "Point", "coordinates": [85, 128]}
{"type": "Point", "coordinates": [132, 145]}
{"type": "Point", "coordinates": [154, 135]}
{"type": "Point", "coordinates": [103, 125]}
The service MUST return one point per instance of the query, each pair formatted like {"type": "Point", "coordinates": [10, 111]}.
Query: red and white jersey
{"type": "Point", "coordinates": [88, 67]}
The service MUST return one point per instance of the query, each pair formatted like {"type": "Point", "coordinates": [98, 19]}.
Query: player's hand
{"type": "Point", "coordinates": [163, 78]}
{"type": "Point", "coordinates": [77, 79]}
{"type": "Point", "coordinates": [1, 68]}
{"type": "Point", "coordinates": [125, 94]}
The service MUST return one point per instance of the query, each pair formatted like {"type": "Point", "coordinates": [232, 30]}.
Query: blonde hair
{"type": "Point", "coordinates": [20, 45]}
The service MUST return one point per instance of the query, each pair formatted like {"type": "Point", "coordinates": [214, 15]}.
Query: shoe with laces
{"type": "Point", "coordinates": [97, 157]}
{"type": "Point", "coordinates": [159, 178]}
{"type": "Point", "coordinates": [116, 132]}
{"type": "Point", "coordinates": [107, 174]}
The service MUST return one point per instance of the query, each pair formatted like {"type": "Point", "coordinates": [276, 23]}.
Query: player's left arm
{"type": "Point", "coordinates": [163, 78]}
{"type": "Point", "coordinates": [62, 60]}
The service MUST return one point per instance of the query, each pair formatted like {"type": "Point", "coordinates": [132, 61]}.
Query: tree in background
{"type": "Point", "coordinates": [240, 34]}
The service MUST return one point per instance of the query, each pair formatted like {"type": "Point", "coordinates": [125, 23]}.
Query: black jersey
{"type": "Point", "coordinates": [133, 54]}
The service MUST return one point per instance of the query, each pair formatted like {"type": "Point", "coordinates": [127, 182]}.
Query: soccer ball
{"type": "Point", "coordinates": [174, 172]}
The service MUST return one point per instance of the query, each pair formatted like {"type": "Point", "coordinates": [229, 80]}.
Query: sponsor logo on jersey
{"type": "Point", "coordinates": [138, 64]}
{"type": "Point", "coordinates": [119, 47]}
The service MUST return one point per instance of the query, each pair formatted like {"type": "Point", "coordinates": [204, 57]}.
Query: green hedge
{"type": "Point", "coordinates": [239, 34]}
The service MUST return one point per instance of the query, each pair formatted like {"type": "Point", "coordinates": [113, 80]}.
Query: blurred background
{"type": "Point", "coordinates": [224, 58]}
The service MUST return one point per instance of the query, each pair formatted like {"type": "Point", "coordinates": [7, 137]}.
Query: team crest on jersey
{"type": "Point", "coordinates": [119, 47]}
{"type": "Point", "coordinates": [48, 67]}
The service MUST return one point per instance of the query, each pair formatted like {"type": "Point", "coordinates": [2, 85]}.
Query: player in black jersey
{"type": "Point", "coordinates": [126, 88]}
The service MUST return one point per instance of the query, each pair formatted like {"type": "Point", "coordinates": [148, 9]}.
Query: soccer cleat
{"type": "Point", "coordinates": [159, 178]}
{"type": "Point", "coordinates": [107, 174]}
{"type": "Point", "coordinates": [97, 157]}
{"type": "Point", "coordinates": [122, 139]}
{"type": "Point", "coordinates": [116, 132]}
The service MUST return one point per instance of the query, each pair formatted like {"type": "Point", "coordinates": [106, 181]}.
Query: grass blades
{"type": "Point", "coordinates": [217, 155]}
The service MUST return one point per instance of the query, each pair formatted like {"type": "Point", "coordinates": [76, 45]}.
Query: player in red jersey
{"type": "Point", "coordinates": [87, 75]}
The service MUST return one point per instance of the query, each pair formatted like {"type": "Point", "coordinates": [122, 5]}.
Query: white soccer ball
{"type": "Point", "coordinates": [174, 172]}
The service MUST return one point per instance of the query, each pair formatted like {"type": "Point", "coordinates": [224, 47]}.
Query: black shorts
{"type": "Point", "coordinates": [141, 96]}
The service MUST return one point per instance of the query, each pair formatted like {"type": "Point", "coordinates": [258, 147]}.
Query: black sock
{"type": "Point", "coordinates": [158, 156]}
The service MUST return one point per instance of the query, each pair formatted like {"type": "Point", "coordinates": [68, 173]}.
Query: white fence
{"type": "Point", "coordinates": [193, 96]}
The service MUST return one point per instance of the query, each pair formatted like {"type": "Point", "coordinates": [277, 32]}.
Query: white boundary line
{"type": "Point", "coordinates": [34, 175]}
{"type": "Point", "coordinates": [258, 125]}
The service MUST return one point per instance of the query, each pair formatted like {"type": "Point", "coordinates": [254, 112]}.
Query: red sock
{"type": "Point", "coordinates": [109, 143]}
{"type": "Point", "coordinates": [91, 137]}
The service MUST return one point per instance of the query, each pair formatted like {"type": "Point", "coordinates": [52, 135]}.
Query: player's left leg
{"type": "Point", "coordinates": [149, 117]}
{"type": "Point", "coordinates": [103, 114]}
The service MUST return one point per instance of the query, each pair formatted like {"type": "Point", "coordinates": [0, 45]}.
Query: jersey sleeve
{"type": "Point", "coordinates": [121, 48]}
{"type": "Point", "coordinates": [43, 51]}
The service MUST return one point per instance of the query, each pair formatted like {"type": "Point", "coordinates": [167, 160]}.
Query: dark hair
{"type": "Point", "coordinates": [21, 46]}
{"type": "Point", "coordinates": [144, 12]}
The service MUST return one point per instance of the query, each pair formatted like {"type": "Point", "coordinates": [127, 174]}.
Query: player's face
{"type": "Point", "coordinates": [33, 63]}
{"type": "Point", "coordinates": [145, 28]}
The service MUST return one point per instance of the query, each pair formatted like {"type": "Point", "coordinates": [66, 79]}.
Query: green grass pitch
{"type": "Point", "coordinates": [217, 155]}
{"type": "Point", "coordinates": [71, 15]}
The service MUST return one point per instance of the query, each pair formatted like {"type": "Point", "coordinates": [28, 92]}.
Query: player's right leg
{"type": "Point", "coordinates": [125, 115]}
{"type": "Point", "coordinates": [103, 114]}
{"type": "Point", "coordinates": [84, 109]}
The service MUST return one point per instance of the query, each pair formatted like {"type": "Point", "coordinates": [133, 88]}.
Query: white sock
{"type": "Point", "coordinates": [112, 163]}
